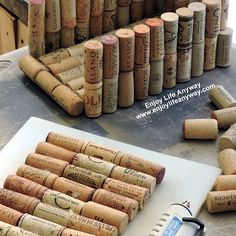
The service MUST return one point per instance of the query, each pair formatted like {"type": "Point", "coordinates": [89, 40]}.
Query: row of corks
{"type": "Point", "coordinates": [70, 185]}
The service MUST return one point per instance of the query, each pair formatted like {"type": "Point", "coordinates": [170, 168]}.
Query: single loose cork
{"type": "Point", "coordinates": [53, 16]}
{"type": "Point", "coordinates": [67, 37]}
{"type": "Point", "coordinates": [110, 5]}
{"type": "Point", "coordinates": [221, 201]}
{"type": "Point", "coordinates": [52, 41]}
{"type": "Point", "coordinates": [83, 10]}
{"type": "Point", "coordinates": [181, 3]}
{"type": "Point", "coordinates": [227, 161]}
{"type": "Point", "coordinates": [170, 70]}
{"type": "Point", "coordinates": [68, 13]}
{"type": "Point", "coordinates": [228, 139]}
{"type": "Point", "coordinates": [82, 31]}
{"type": "Point", "coordinates": [71, 74]}
{"type": "Point", "coordinates": [224, 14]}
{"type": "Point", "coordinates": [210, 53]}
{"type": "Point", "coordinates": [156, 77]}
{"type": "Point", "coordinates": [225, 182]}
{"type": "Point", "coordinates": [71, 232]}
{"type": "Point", "coordinates": [95, 26]}
{"type": "Point", "coordinates": [76, 84]}
{"type": "Point", "coordinates": [225, 117]}
{"type": "Point", "coordinates": [197, 59]}
{"type": "Point", "coordinates": [122, 16]}
{"type": "Point", "coordinates": [108, 21]}
{"type": "Point", "coordinates": [136, 10]}
{"type": "Point", "coordinates": [10, 216]}
{"type": "Point", "coordinates": [221, 97]}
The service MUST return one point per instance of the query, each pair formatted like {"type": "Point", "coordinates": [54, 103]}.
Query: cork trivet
{"type": "Point", "coordinates": [36, 45]}
{"type": "Point", "coordinates": [9, 215]}
{"type": "Point", "coordinates": [142, 45]}
{"type": "Point", "coordinates": [181, 3]}
{"type": "Point", "coordinates": [52, 41]}
{"type": "Point", "coordinates": [170, 70]}
{"type": "Point", "coordinates": [67, 37]}
{"type": "Point", "coordinates": [68, 13]}
{"type": "Point", "coordinates": [225, 117]}
{"type": "Point", "coordinates": [110, 5]}
{"type": "Point", "coordinates": [122, 16]}
{"type": "Point", "coordinates": [73, 189]}
{"type": "Point", "coordinates": [136, 10]}
{"type": "Point", "coordinates": [224, 44]}
{"type": "Point", "coordinates": [68, 100]}
{"type": "Point", "coordinates": [42, 177]}
{"type": "Point", "coordinates": [156, 38]}
{"type": "Point", "coordinates": [24, 186]}
{"type": "Point", "coordinates": [225, 182]}
{"type": "Point", "coordinates": [221, 97]}
{"type": "Point", "coordinates": [81, 93]}
{"type": "Point", "coordinates": [126, 89]}
{"type": "Point", "coordinates": [71, 232]}
{"type": "Point", "coordinates": [97, 7]}
{"type": "Point", "coordinates": [76, 84]}
{"type": "Point", "coordinates": [156, 77]}
{"type": "Point", "coordinates": [18, 201]}
{"type": "Point", "coordinates": [53, 16]}
{"type": "Point", "coordinates": [123, 3]}
{"type": "Point", "coordinates": [141, 82]}
{"type": "Point", "coordinates": [82, 10]}
{"type": "Point", "coordinates": [116, 201]}
{"type": "Point", "coordinates": [170, 5]}
{"type": "Point", "coordinates": [197, 59]}
{"type": "Point", "coordinates": [221, 201]}
{"type": "Point", "coordinates": [109, 21]}
{"type": "Point", "coordinates": [149, 8]}
{"type": "Point", "coordinates": [95, 26]}
{"type": "Point", "coordinates": [70, 74]}
{"type": "Point", "coordinates": [213, 9]}
{"type": "Point", "coordinates": [106, 214]}
{"type": "Point", "coordinates": [228, 139]}
{"type": "Point", "coordinates": [199, 10]}
{"type": "Point", "coordinates": [30, 66]}
{"type": "Point", "coordinates": [224, 14]}
{"type": "Point", "coordinates": [170, 31]}
{"type": "Point", "coordinates": [210, 53]}
{"type": "Point", "coordinates": [82, 31]}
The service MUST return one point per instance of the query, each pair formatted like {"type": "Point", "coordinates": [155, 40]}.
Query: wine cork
{"type": "Point", "coordinates": [156, 38]}
{"type": "Point", "coordinates": [140, 194]}
{"type": "Point", "coordinates": [53, 16]}
{"type": "Point", "coordinates": [228, 139]}
{"type": "Point", "coordinates": [73, 189]}
{"type": "Point", "coordinates": [95, 26]}
{"type": "Point", "coordinates": [149, 8]}
{"type": "Point", "coordinates": [48, 149]}
{"type": "Point", "coordinates": [116, 201]}
{"type": "Point", "coordinates": [71, 232]}
{"type": "Point", "coordinates": [227, 161]}
{"type": "Point", "coordinates": [109, 21]}
{"type": "Point", "coordinates": [141, 82]}
{"type": "Point", "coordinates": [224, 44]}
{"type": "Point", "coordinates": [224, 14]}
{"type": "Point", "coordinates": [52, 41]}
{"type": "Point", "coordinates": [199, 10]}
{"type": "Point", "coordinates": [83, 10]}
{"type": "Point", "coordinates": [126, 89]}
{"type": "Point", "coordinates": [76, 84]}
{"type": "Point", "coordinates": [71, 74]}
{"type": "Point", "coordinates": [67, 37]}
{"type": "Point", "coordinates": [18, 201]}
{"type": "Point", "coordinates": [68, 100]}
{"type": "Point", "coordinates": [93, 164]}
{"type": "Point", "coordinates": [42, 162]}
{"type": "Point", "coordinates": [106, 214]}
{"type": "Point", "coordinates": [213, 9]}
{"type": "Point", "coordinates": [47, 82]}
{"type": "Point", "coordinates": [134, 177]}
{"type": "Point", "coordinates": [181, 3]}
{"type": "Point", "coordinates": [142, 45]}
{"type": "Point", "coordinates": [82, 31]}
{"type": "Point", "coordinates": [110, 5]}
{"type": "Point", "coordinates": [200, 129]}
{"type": "Point", "coordinates": [85, 224]}
{"type": "Point", "coordinates": [210, 53]}
{"type": "Point", "coordinates": [170, 31]}
{"type": "Point", "coordinates": [54, 57]}
{"type": "Point", "coordinates": [122, 16]}
{"type": "Point", "coordinates": [225, 182]}
{"type": "Point", "coordinates": [40, 226]}
{"type": "Point", "coordinates": [184, 65]}
{"type": "Point", "coordinates": [225, 117]}
{"type": "Point", "coordinates": [36, 45]}
{"type": "Point", "coordinates": [136, 10]}
{"type": "Point", "coordinates": [68, 13]}
{"type": "Point", "coordinates": [63, 201]}
{"type": "Point", "coordinates": [156, 77]}
{"type": "Point", "coordinates": [170, 70]}
{"type": "Point", "coordinates": [97, 7]}
{"type": "Point", "coordinates": [221, 97]}
{"type": "Point", "coordinates": [39, 176]}
{"type": "Point", "coordinates": [221, 201]}
{"type": "Point", "coordinates": [93, 99]}
{"type": "Point", "coordinates": [81, 93]}
{"type": "Point", "coordinates": [110, 91]}
{"type": "Point", "coordinates": [30, 66]}
{"type": "Point", "coordinates": [21, 185]}
{"type": "Point", "coordinates": [9, 215]}
{"type": "Point", "coordinates": [197, 59]}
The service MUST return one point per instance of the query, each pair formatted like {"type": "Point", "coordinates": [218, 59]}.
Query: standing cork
{"type": "Point", "coordinates": [82, 31]}
{"type": "Point", "coordinates": [109, 21]}
{"type": "Point", "coordinates": [227, 161]}
{"type": "Point", "coordinates": [110, 5]}
{"type": "Point", "coordinates": [95, 26]}
{"type": "Point", "coordinates": [9, 215]}
{"type": "Point", "coordinates": [228, 139]}
{"type": "Point", "coordinates": [181, 3]}
{"type": "Point", "coordinates": [53, 16]}
{"type": "Point", "coordinates": [197, 59]}
{"type": "Point", "coordinates": [122, 16]}
{"type": "Point", "coordinates": [53, 41]}
{"type": "Point", "coordinates": [210, 53]}
{"type": "Point", "coordinates": [156, 77]}
{"type": "Point", "coordinates": [170, 67]}
{"type": "Point", "coordinates": [83, 10]}
{"type": "Point", "coordinates": [67, 37]}
{"type": "Point", "coordinates": [225, 182]}
{"type": "Point", "coordinates": [68, 13]}
{"type": "Point", "coordinates": [224, 14]}
{"type": "Point", "coordinates": [97, 7]}
{"type": "Point", "coordinates": [136, 10]}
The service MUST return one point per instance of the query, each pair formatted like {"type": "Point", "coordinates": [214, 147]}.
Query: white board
{"type": "Point", "coordinates": [184, 180]}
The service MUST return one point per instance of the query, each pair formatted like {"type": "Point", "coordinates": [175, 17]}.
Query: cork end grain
{"type": "Point", "coordinates": [154, 22]}
{"type": "Point", "coordinates": [125, 33]}
{"type": "Point", "coordinates": [225, 143]}
{"type": "Point", "coordinates": [160, 175]}
{"type": "Point", "coordinates": [141, 29]}
{"type": "Point", "coordinates": [169, 17]}
{"type": "Point", "coordinates": [109, 39]}
{"type": "Point", "coordinates": [197, 6]}
{"type": "Point", "coordinates": [93, 44]}
{"type": "Point", "coordinates": [185, 12]}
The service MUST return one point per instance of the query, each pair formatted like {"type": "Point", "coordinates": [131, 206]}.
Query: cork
{"type": "Point", "coordinates": [95, 26]}
{"type": "Point", "coordinates": [97, 7]}
{"type": "Point", "coordinates": [68, 13]}
{"type": "Point", "coordinates": [123, 3]}
{"type": "Point", "coordinates": [76, 50]}
{"type": "Point", "coordinates": [225, 117]}
{"type": "Point", "coordinates": [9, 215]}
{"type": "Point", "coordinates": [141, 82]}
{"type": "Point", "coordinates": [67, 37]}
{"type": "Point", "coordinates": [93, 164]}
{"type": "Point", "coordinates": [36, 45]}
{"type": "Point", "coordinates": [210, 53]}
{"type": "Point", "coordinates": [116, 201]}
{"type": "Point", "coordinates": [225, 182]}
{"type": "Point", "coordinates": [52, 41]}
{"type": "Point", "coordinates": [156, 38]}
{"type": "Point", "coordinates": [93, 99]}
{"type": "Point", "coordinates": [48, 149]}
{"type": "Point", "coordinates": [76, 84]}
{"type": "Point", "coordinates": [221, 97]}
{"type": "Point", "coordinates": [93, 61]}
{"type": "Point", "coordinates": [40, 226]}
{"type": "Point", "coordinates": [122, 16]}
{"type": "Point", "coordinates": [110, 5]}
{"type": "Point", "coordinates": [63, 201]}
{"type": "Point", "coordinates": [21, 185]}
{"type": "Point", "coordinates": [170, 31]}
{"type": "Point", "coordinates": [87, 225]}
{"type": "Point", "coordinates": [127, 49]}
{"type": "Point", "coordinates": [213, 10]}
{"type": "Point", "coordinates": [223, 51]}
{"type": "Point", "coordinates": [170, 70]}
{"type": "Point", "coordinates": [106, 214]}
{"type": "Point", "coordinates": [227, 161]}
{"type": "Point", "coordinates": [65, 141]}
{"type": "Point", "coordinates": [109, 21]}
{"type": "Point", "coordinates": [42, 177]}
{"type": "Point", "coordinates": [53, 16]}
{"type": "Point", "coordinates": [126, 89]}
{"type": "Point", "coordinates": [30, 66]}
{"type": "Point", "coordinates": [200, 129]}
{"type": "Point", "coordinates": [70, 74]}
{"type": "Point", "coordinates": [181, 3]}
{"type": "Point", "coordinates": [221, 201]}
{"type": "Point", "coordinates": [170, 5]}
{"type": "Point", "coordinates": [136, 10]}
{"type": "Point", "coordinates": [197, 59]}
{"type": "Point", "coordinates": [81, 93]}
{"type": "Point", "coordinates": [82, 31]}
{"type": "Point", "coordinates": [83, 10]}
{"type": "Point", "coordinates": [73, 189]}
{"type": "Point", "coordinates": [199, 10]}
{"type": "Point", "coordinates": [140, 194]}
{"type": "Point", "coordinates": [71, 232]}
{"type": "Point", "coordinates": [156, 77]}
{"type": "Point", "coordinates": [142, 45]}
{"type": "Point", "coordinates": [224, 14]}
{"type": "Point", "coordinates": [184, 65]}
{"type": "Point", "coordinates": [149, 8]}
{"type": "Point", "coordinates": [18, 201]}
